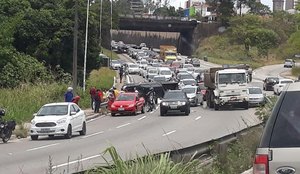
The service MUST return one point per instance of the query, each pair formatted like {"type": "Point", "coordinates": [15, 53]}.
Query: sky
{"type": "Point", "coordinates": [177, 3]}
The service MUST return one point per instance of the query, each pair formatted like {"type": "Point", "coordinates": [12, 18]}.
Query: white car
{"type": "Point", "coordinates": [63, 118]}
{"type": "Point", "coordinates": [133, 68]}
{"type": "Point", "coordinates": [280, 85]}
{"type": "Point", "coordinates": [143, 64]}
{"type": "Point", "coordinates": [187, 66]}
{"type": "Point", "coordinates": [115, 64]}
{"type": "Point", "coordinates": [164, 71]}
{"type": "Point", "coordinates": [151, 72]}
{"type": "Point", "coordinates": [194, 94]}
{"type": "Point", "coordinates": [198, 71]}
{"type": "Point", "coordinates": [190, 70]}
{"type": "Point", "coordinates": [289, 63]}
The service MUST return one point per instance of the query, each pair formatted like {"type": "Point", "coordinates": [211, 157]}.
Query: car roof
{"type": "Point", "coordinates": [253, 87]}
{"type": "Point", "coordinates": [179, 91]}
{"type": "Point", "coordinates": [58, 103]}
{"type": "Point", "coordinates": [292, 87]}
{"type": "Point", "coordinates": [285, 80]}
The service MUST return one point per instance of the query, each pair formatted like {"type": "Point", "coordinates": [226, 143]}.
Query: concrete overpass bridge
{"type": "Point", "coordinates": [159, 24]}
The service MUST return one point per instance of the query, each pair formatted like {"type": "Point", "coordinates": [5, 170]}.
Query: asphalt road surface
{"type": "Point", "coordinates": [129, 134]}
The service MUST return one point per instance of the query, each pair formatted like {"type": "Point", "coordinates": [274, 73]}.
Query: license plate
{"type": "Point", "coordinates": [45, 129]}
{"type": "Point", "coordinates": [173, 106]}
{"type": "Point", "coordinates": [121, 109]}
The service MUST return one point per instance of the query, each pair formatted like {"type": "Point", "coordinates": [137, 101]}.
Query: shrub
{"type": "Point", "coordinates": [101, 79]}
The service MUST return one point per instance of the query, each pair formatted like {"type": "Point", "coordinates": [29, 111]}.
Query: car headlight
{"type": "Point", "coordinates": [164, 103]}
{"type": "Point", "coordinates": [32, 122]}
{"type": "Point", "coordinates": [61, 121]}
{"type": "Point", "coordinates": [131, 105]}
{"type": "Point", "coordinates": [181, 103]}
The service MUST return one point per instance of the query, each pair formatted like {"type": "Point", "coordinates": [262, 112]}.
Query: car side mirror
{"type": "Point", "coordinates": [35, 114]}
{"type": "Point", "coordinates": [73, 113]}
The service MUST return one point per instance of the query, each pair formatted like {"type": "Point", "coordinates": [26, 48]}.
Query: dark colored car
{"type": "Point", "coordinates": [279, 148]}
{"type": "Point", "coordinates": [175, 100]}
{"type": "Point", "coordinates": [269, 82]}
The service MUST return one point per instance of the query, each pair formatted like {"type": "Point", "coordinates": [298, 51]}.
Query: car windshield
{"type": "Point", "coordinates": [286, 81]}
{"type": "Point", "coordinates": [153, 71]}
{"type": "Point", "coordinates": [187, 66]}
{"type": "Point", "coordinates": [133, 66]}
{"type": "Point", "coordinates": [273, 79]}
{"type": "Point", "coordinates": [189, 82]}
{"type": "Point", "coordinates": [170, 54]}
{"type": "Point", "coordinates": [165, 72]}
{"type": "Point", "coordinates": [174, 95]}
{"type": "Point", "coordinates": [186, 76]}
{"type": "Point", "coordinates": [232, 78]}
{"type": "Point", "coordinates": [144, 62]}
{"type": "Point", "coordinates": [115, 61]}
{"type": "Point", "coordinates": [189, 90]}
{"type": "Point", "coordinates": [190, 69]}
{"type": "Point", "coordinates": [125, 97]}
{"type": "Point", "coordinates": [53, 110]}
{"type": "Point", "coordinates": [255, 91]}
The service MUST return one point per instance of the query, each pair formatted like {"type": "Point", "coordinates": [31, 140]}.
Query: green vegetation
{"type": "Point", "coordinates": [296, 71]}
{"type": "Point", "coordinates": [108, 53]}
{"type": "Point", "coordinates": [160, 164]}
{"type": "Point", "coordinates": [254, 39]}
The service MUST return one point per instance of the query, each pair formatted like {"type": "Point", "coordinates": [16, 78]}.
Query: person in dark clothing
{"type": "Point", "coordinates": [121, 71]}
{"type": "Point", "coordinates": [97, 100]}
{"type": "Point", "coordinates": [69, 95]}
{"type": "Point", "coordinates": [93, 94]}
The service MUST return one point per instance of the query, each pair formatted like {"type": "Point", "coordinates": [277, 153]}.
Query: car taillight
{"type": "Point", "coordinates": [260, 165]}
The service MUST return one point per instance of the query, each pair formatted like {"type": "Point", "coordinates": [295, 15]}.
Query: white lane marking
{"type": "Point", "coordinates": [94, 119]}
{"type": "Point", "coordinates": [198, 118]}
{"type": "Point", "coordinates": [123, 125]}
{"type": "Point", "coordinates": [42, 147]}
{"type": "Point", "coordinates": [76, 161]}
{"type": "Point", "coordinates": [93, 134]}
{"type": "Point", "coordinates": [142, 117]}
{"type": "Point", "coordinates": [168, 133]}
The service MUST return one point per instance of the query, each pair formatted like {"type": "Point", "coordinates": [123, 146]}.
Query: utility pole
{"type": "Point", "coordinates": [100, 27]}
{"type": "Point", "coordinates": [111, 23]}
{"type": "Point", "coordinates": [85, 43]}
{"type": "Point", "coordinates": [75, 43]}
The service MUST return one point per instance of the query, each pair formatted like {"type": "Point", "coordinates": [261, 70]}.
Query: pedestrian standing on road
{"type": "Point", "coordinates": [69, 95]}
{"type": "Point", "coordinates": [98, 97]}
{"type": "Point", "coordinates": [93, 93]}
{"type": "Point", "coordinates": [121, 72]}
{"type": "Point", "coordinates": [76, 99]}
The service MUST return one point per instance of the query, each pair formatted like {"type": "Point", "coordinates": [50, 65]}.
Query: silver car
{"type": "Point", "coordinates": [256, 96]}
{"type": "Point", "coordinates": [194, 94]}
{"type": "Point", "coordinates": [279, 148]}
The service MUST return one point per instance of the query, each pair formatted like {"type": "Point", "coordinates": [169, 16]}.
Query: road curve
{"type": "Point", "coordinates": [129, 134]}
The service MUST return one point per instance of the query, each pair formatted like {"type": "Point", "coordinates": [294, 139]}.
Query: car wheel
{"type": "Point", "coordinates": [143, 109]}
{"type": "Point", "coordinates": [264, 88]}
{"type": "Point", "coordinates": [34, 137]}
{"type": "Point", "coordinates": [83, 131]}
{"type": "Point", "coordinates": [68, 135]}
{"type": "Point", "coordinates": [112, 114]}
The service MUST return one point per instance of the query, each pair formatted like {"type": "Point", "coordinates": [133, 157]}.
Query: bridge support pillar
{"type": "Point", "coordinates": [185, 43]}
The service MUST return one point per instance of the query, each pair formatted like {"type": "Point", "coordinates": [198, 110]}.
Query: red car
{"type": "Point", "coordinates": [127, 103]}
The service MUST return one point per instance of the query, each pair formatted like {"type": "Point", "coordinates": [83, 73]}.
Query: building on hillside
{"type": "Point", "coordinates": [278, 5]}
{"type": "Point", "coordinates": [289, 4]}
{"type": "Point", "coordinates": [137, 7]}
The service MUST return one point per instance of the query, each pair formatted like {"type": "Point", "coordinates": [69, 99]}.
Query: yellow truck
{"type": "Point", "coordinates": [168, 52]}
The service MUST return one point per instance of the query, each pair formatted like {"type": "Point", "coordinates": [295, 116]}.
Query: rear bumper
{"type": "Point", "coordinates": [232, 100]}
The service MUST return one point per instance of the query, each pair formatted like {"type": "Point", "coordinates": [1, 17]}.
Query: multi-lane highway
{"type": "Point", "coordinates": [129, 134]}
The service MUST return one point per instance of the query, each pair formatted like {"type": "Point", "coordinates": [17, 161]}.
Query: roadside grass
{"type": "Point", "coordinates": [109, 53]}
{"type": "Point", "coordinates": [296, 71]}
{"type": "Point", "coordinates": [150, 164]}
{"type": "Point", "coordinates": [218, 49]}
{"type": "Point", "coordinates": [21, 102]}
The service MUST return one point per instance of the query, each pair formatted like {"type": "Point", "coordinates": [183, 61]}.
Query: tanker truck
{"type": "Point", "coordinates": [226, 87]}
